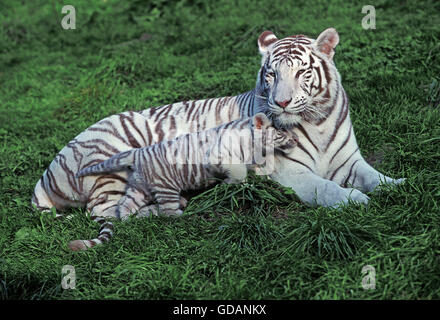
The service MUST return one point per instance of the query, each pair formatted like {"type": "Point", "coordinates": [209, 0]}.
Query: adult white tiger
{"type": "Point", "coordinates": [298, 87]}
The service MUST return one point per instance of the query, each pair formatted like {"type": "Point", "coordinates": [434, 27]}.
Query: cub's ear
{"type": "Point", "coordinates": [327, 42]}
{"type": "Point", "coordinates": [265, 40]}
{"type": "Point", "coordinates": [261, 121]}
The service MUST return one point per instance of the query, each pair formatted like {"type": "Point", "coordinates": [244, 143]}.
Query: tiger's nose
{"type": "Point", "coordinates": [283, 104]}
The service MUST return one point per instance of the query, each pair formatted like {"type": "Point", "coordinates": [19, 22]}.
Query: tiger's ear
{"type": "Point", "coordinates": [327, 42]}
{"type": "Point", "coordinates": [265, 40]}
{"type": "Point", "coordinates": [261, 121]}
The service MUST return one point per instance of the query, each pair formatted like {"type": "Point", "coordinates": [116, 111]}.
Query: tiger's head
{"type": "Point", "coordinates": [279, 138]}
{"type": "Point", "coordinates": [298, 79]}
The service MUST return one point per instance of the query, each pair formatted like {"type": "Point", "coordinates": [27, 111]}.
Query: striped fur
{"type": "Point", "coordinates": [298, 87]}
{"type": "Point", "coordinates": [105, 234]}
{"type": "Point", "coordinates": [159, 173]}
{"type": "Point", "coordinates": [196, 160]}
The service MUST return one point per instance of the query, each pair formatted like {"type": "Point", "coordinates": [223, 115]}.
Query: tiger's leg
{"type": "Point", "coordinates": [133, 202]}
{"type": "Point", "coordinates": [169, 202]}
{"type": "Point", "coordinates": [314, 190]}
{"type": "Point", "coordinates": [148, 210]}
{"type": "Point", "coordinates": [153, 209]}
{"type": "Point", "coordinates": [105, 195]}
{"type": "Point", "coordinates": [41, 199]}
{"type": "Point", "coordinates": [366, 178]}
{"type": "Point", "coordinates": [183, 202]}
{"type": "Point", "coordinates": [105, 204]}
{"type": "Point", "coordinates": [43, 202]}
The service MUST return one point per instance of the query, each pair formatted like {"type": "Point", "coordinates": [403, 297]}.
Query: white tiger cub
{"type": "Point", "coordinates": [193, 161]}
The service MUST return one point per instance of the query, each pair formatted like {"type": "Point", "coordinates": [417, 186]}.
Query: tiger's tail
{"type": "Point", "coordinates": [118, 162]}
{"type": "Point", "coordinates": [105, 234]}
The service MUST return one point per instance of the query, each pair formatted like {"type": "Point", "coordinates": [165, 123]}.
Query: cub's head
{"type": "Point", "coordinates": [298, 79]}
{"type": "Point", "coordinates": [281, 139]}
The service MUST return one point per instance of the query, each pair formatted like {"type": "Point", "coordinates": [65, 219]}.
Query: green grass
{"type": "Point", "coordinates": [250, 241]}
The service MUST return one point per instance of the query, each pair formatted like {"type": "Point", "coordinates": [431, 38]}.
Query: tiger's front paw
{"type": "Point", "coordinates": [354, 195]}
{"type": "Point", "coordinates": [357, 196]}
{"type": "Point", "coordinates": [389, 183]}
{"type": "Point", "coordinates": [398, 181]}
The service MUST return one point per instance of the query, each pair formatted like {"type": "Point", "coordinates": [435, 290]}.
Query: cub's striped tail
{"type": "Point", "coordinates": [105, 234]}
{"type": "Point", "coordinates": [118, 162]}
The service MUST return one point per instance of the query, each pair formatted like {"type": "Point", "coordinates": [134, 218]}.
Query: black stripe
{"type": "Point", "coordinates": [336, 171]}
{"type": "Point", "coordinates": [299, 145]}
{"type": "Point", "coordinates": [297, 161]}
{"type": "Point", "coordinates": [304, 132]}
{"type": "Point", "coordinates": [349, 174]}
{"type": "Point", "coordinates": [343, 144]}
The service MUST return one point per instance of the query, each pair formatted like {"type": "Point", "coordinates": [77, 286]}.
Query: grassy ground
{"type": "Point", "coordinates": [250, 241]}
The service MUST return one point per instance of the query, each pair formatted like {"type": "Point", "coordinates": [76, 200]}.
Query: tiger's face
{"type": "Point", "coordinates": [285, 140]}
{"type": "Point", "coordinates": [297, 79]}
{"type": "Point", "coordinates": [280, 139]}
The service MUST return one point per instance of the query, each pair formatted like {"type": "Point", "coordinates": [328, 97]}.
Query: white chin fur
{"type": "Point", "coordinates": [287, 121]}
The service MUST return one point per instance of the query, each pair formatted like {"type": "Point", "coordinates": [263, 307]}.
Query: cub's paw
{"type": "Point", "coordinates": [147, 211]}
{"type": "Point", "coordinates": [232, 180]}
{"type": "Point", "coordinates": [172, 213]}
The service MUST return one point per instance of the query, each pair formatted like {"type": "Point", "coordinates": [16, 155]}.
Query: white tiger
{"type": "Point", "coordinates": [159, 173]}
{"type": "Point", "coordinates": [298, 87]}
